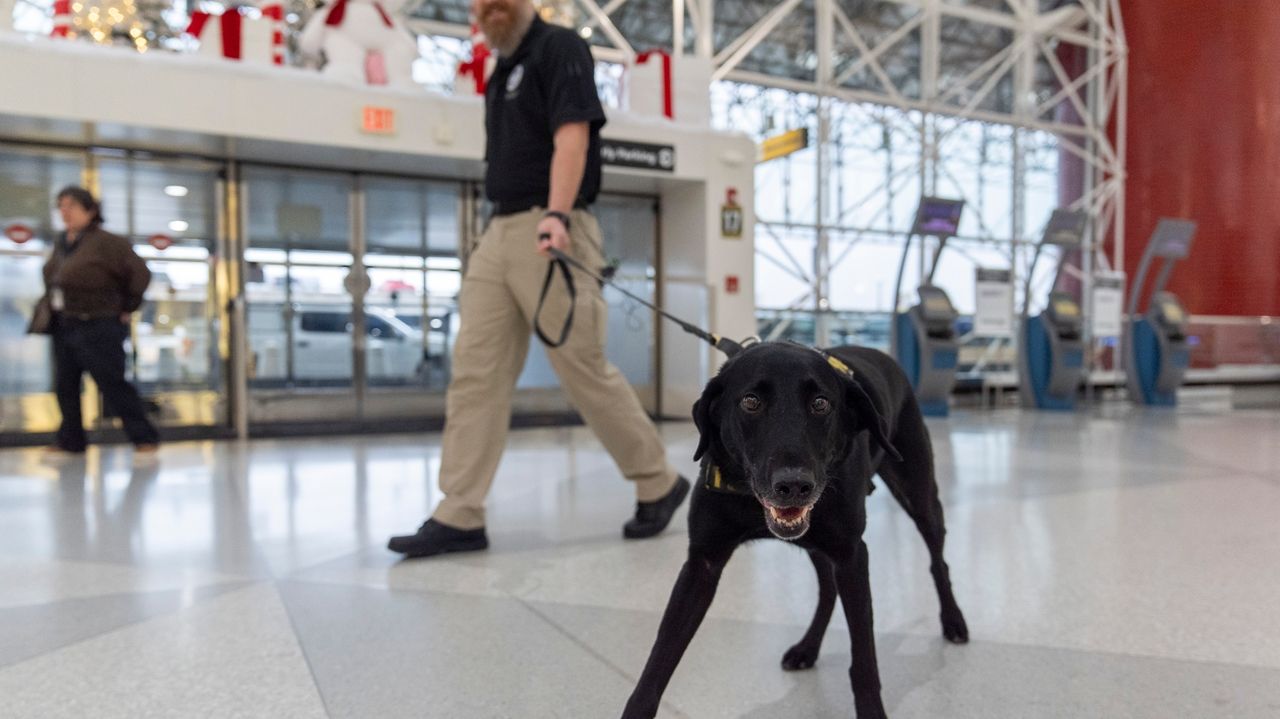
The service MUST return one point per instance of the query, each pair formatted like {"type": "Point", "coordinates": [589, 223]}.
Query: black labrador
{"type": "Point", "coordinates": [790, 439]}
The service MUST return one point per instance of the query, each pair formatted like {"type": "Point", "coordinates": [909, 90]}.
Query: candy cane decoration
{"type": "Point", "coordinates": [61, 18]}
{"type": "Point", "coordinates": [275, 13]}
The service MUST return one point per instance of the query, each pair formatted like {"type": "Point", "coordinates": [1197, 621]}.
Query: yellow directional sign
{"type": "Point", "coordinates": [782, 145]}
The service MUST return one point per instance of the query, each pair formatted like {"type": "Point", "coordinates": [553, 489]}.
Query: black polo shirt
{"type": "Point", "coordinates": [549, 80]}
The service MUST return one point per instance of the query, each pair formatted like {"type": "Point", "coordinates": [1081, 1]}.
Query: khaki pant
{"type": "Point", "coordinates": [499, 295]}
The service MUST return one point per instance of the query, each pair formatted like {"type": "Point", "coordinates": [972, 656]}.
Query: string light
{"type": "Point", "coordinates": [108, 20]}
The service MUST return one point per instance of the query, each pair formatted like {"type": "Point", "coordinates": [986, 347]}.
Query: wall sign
{"type": "Point", "coordinates": [376, 120]}
{"type": "Point", "coordinates": [731, 218]}
{"type": "Point", "coordinates": [1108, 304]}
{"type": "Point", "coordinates": [19, 233]}
{"type": "Point", "coordinates": [160, 241]}
{"type": "Point", "coordinates": [643, 155]}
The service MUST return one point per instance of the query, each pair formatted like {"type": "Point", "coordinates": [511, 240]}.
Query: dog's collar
{"type": "Point", "coordinates": [715, 481]}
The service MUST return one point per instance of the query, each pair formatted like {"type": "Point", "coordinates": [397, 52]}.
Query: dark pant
{"type": "Point", "coordinates": [97, 347]}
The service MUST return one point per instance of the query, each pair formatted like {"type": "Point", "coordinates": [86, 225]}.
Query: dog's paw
{"type": "Point", "coordinates": [954, 628]}
{"type": "Point", "coordinates": [800, 657]}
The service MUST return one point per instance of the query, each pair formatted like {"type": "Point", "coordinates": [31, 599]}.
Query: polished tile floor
{"type": "Point", "coordinates": [1125, 564]}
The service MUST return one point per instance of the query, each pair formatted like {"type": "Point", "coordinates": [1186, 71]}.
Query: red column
{"type": "Point", "coordinates": [1204, 143]}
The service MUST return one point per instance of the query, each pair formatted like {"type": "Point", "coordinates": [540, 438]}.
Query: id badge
{"type": "Point", "coordinates": [57, 300]}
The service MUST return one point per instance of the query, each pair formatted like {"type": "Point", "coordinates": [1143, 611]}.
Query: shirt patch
{"type": "Point", "coordinates": [513, 80]}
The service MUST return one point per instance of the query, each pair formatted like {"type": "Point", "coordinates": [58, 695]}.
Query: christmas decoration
{"type": "Point", "coordinates": [665, 77]}
{"type": "Point", "coordinates": [361, 43]}
{"type": "Point", "coordinates": [137, 23]}
{"type": "Point", "coordinates": [673, 87]}
{"type": "Point", "coordinates": [62, 17]}
{"type": "Point", "coordinates": [108, 21]}
{"type": "Point", "coordinates": [237, 34]}
{"type": "Point", "coordinates": [559, 12]}
{"type": "Point", "coordinates": [473, 74]}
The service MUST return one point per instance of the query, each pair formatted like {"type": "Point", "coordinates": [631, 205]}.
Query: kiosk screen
{"type": "Point", "coordinates": [936, 305]}
{"type": "Point", "coordinates": [938, 216]}
{"type": "Point", "coordinates": [1172, 314]}
{"type": "Point", "coordinates": [1066, 309]}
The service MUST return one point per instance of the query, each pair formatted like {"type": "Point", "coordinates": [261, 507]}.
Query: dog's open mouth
{"type": "Point", "coordinates": [787, 522]}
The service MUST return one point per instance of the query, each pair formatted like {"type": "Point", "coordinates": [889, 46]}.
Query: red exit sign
{"type": "Point", "coordinates": [378, 120]}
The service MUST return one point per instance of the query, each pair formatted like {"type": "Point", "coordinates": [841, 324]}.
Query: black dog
{"type": "Point", "coordinates": [792, 437]}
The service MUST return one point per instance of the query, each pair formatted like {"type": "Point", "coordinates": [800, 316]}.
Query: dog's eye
{"type": "Point", "coordinates": [750, 404]}
{"type": "Point", "coordinates": [820, 405]}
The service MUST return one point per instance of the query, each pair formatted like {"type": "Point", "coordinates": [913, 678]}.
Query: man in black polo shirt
{"type": "Point", "coordinates": [543, 120]}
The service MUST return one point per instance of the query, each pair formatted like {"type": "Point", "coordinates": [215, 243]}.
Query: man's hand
{"type": "Point", "coordinates": [558, 236]}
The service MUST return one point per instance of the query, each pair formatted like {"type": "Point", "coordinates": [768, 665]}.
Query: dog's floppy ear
{"type": "Point", "coordinates": [867, 416]}
{"type": "Point", "coordinates": [703, 411]}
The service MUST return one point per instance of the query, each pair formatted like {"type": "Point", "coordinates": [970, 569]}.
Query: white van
{"type": "Point", "coordinates": [321, 337]}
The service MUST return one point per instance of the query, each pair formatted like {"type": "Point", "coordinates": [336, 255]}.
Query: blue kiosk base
{"type": "Point", "coordinates": [939, 359]}
{"type": "Point", "coordinates": [1147, 361]}
{"type": "Point", "coordinates": [1040, 366]}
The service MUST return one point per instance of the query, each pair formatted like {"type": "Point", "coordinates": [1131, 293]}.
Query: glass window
{"type": "Point", "coordinates": [411, 308]}
{"type": "Point", "coordinates": [628, 226]}
{"type": "Point", "coordinates": [175, 331]}
{"type": "Point", "coordinates": [335, 322]}
{"type": "Point", "coordinates": [29, 183]}
{"type": "Point", "coordinates": [296, 266]}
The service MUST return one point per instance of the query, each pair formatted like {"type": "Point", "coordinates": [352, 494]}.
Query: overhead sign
{"type": "Point", "coordinates": [993, 305]}
{"type": "Point", "coordinates": [376, 120]}
{"type": "Point", "coordinates": [19, 232]}
{"type": "Point", "coordinates": [643, 155]}
{"type": "Point", "coordinates": [160, 241]}
{"type": "Point", "coordinates": [782, 145]}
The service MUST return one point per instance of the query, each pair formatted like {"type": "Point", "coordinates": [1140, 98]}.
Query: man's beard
{"type": "Point", "coordinates": [505, 33]}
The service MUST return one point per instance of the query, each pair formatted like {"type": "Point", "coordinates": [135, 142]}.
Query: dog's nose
{"type": "Point", "coordinates": [792, 484]}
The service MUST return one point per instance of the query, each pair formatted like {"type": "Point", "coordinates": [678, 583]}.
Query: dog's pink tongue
{"type": "Point", "coordinates": [789, 514]}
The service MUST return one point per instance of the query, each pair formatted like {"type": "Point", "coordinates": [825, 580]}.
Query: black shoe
{"type": "Point", "coordinates": [653, 517]}
{"type": "Point", "coordinates": [435, 538]}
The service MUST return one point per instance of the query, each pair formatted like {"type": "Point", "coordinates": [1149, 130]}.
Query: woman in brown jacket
{"type": "Point", "coordinates": [94, 281]}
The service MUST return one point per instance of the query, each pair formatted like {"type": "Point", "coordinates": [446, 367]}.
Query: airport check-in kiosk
{"type": "Point", "coordinates": [1051, 355]}
{"type": "Point", "coordinates": [923, 338]}
{"type": "Point", "coordinates": [1156, 341]}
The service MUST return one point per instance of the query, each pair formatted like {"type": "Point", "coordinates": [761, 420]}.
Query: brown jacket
{"type": "Point", "coordinates": [100, 275]}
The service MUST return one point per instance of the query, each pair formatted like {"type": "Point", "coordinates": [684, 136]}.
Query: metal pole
{"type": "Point", "coordinates": [822, 247]}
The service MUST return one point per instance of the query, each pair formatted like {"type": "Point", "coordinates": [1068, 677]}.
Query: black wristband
{"type": "Point", "coordinates": [564, 219]}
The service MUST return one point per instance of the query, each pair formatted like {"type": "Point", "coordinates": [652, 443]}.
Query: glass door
{"type": "Point", "coordinates": [629, 226]}
{"type": "Point", "coordinates": [300, 275]}
{"type": "Point", "coordinates": [411, 239]}
{"type": "Point", "coordinates": [29, 183]}
{"type": "Point", "coordinates": [171, 211]}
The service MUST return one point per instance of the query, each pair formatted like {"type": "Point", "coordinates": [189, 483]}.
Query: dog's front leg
{"type": "Point", "coordinates": [854, 582]}
{"type": "Point", "coordinates": [689, 602]}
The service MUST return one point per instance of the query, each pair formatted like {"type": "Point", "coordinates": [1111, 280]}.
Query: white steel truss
{"type": "Point", "coordinates": [1047, 70]}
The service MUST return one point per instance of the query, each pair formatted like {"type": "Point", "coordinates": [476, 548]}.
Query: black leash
{"type": "Point", "coordinates": [562, 261]}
